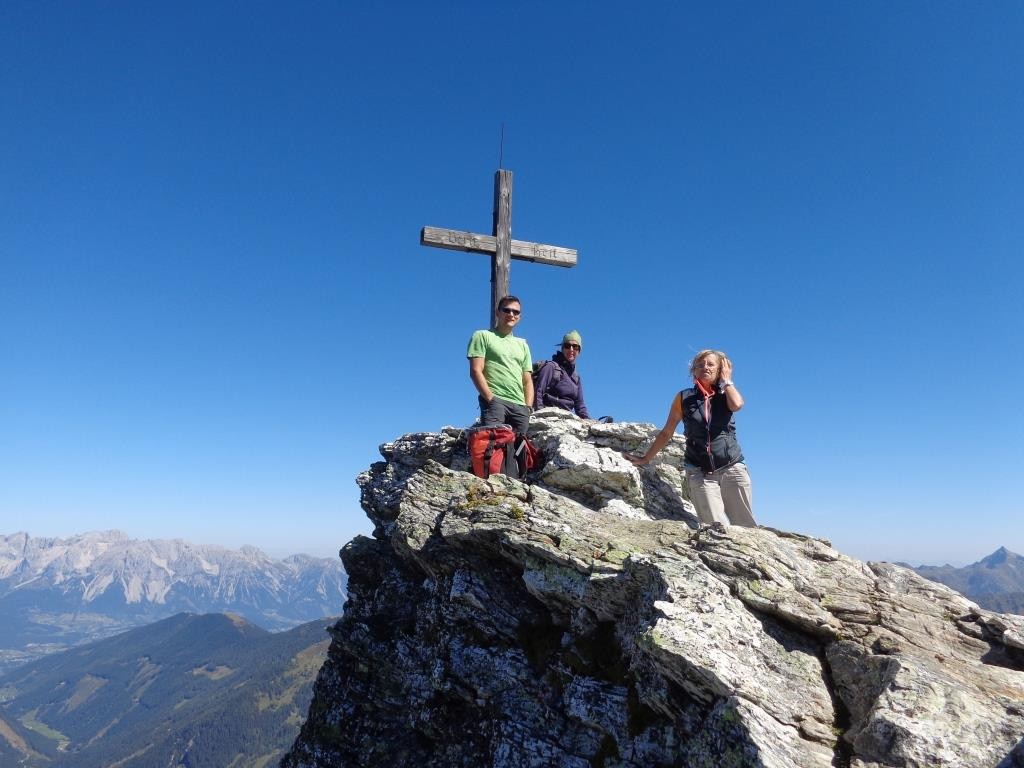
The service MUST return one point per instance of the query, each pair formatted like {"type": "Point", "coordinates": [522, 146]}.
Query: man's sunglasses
{"type": "Point", "coordinates": [577, 347]}
{"type": "Point", "coordinates": [510, 311]}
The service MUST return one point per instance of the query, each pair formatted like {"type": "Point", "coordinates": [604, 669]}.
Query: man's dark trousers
{"type": "Point", "coordinates": [500, 411]}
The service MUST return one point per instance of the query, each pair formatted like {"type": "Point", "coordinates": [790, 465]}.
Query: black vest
{"type": "Point", "coordinates": [710, 447]}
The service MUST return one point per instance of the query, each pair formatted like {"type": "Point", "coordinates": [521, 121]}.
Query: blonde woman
{"type": "Point", "coordinates": [715, 473]}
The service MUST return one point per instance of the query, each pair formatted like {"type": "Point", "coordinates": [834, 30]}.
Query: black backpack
{"type": "Point", "coordinates": [538, 367]}
{"type": "Point", "coordinates": [559, 373]}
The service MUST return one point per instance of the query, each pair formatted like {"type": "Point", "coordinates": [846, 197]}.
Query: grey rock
{"type": "Point", "coordinates": [585, 619]}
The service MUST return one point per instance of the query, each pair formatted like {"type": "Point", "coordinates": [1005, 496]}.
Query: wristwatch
{"type": "Point", "coordinates": [725, 384]}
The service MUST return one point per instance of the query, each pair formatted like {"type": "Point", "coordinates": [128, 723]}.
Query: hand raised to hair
{"type": "Point", "coordinates": [726, 372]}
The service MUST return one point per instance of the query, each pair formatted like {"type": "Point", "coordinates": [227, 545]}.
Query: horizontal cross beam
{"type": "Point", "coordinates": [455, 240]}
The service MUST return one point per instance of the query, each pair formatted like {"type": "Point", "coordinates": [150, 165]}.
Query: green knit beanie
{"type": "Point", "coordinates": [573, 337]}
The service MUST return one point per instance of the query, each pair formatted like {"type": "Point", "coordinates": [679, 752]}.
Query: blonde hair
{"type": "Point", "coordinates": [699, 358]}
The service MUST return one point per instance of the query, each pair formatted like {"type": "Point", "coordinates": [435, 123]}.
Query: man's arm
{"type": "Point", "coordinates": [476, 374]}
{"type": "Point", "coordinates": [528, 387]}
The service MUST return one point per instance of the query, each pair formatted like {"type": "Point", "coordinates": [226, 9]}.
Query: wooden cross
{"type": "Point", "coordinates": [499, 245]}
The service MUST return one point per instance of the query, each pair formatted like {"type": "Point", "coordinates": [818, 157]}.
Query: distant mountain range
{"type": "Point", "coordinates": [201, 691]}
{"type": "Point", "coordinates": [58, 593]}
{"type": "Point", "coordinates": [995, 582]}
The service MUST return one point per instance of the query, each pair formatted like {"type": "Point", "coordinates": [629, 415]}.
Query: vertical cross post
{"type": "Point", "coordinates": [499, 245]}
{"type": "Point", "coordinates": [502, 232]}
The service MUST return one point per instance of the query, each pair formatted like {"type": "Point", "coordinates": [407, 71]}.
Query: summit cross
{"type": "Point", "coordinates": [499, 245]}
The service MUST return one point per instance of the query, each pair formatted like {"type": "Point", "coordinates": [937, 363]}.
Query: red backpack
{"type": "Point", "coordinates": [496, 449]}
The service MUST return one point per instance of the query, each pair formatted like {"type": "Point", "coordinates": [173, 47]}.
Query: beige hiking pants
{"type": "Point", "coordinates": [722, 497]}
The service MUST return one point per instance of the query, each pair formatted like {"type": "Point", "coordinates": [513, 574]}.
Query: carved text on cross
{"type": "Point", "coordinates": [499, 245]}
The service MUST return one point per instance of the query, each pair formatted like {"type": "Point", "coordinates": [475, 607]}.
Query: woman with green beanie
{"type": "Point", "coordinates": [557, 382]}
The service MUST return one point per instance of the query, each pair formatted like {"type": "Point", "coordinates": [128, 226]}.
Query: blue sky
{"type": "Point", "coordinates": [214, 306]}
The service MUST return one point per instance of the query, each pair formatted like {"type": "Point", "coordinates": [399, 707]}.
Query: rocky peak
{"type": "Point", "coordinates": [586, 619]}
{"type": "Point", "coordinates": [1000, 557]}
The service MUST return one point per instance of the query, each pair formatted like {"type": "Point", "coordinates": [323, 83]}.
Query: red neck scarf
{"type": "Point", "coordinates": [704, 390]}
{"type": "Point", "coordinates": [708, 393]}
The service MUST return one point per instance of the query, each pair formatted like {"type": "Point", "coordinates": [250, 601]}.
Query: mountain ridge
{"type": "Point", "coordinates": [59, 592]}
{"type": "Point", "coordinates": [204, 690]}
{"type": "Point", "coordinates": [995, 582]}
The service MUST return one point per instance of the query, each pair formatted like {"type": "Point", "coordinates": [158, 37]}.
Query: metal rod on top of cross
{"type": "Point", "coordinates": [499, 245]}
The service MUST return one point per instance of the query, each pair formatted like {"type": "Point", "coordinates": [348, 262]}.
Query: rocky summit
{"type": "Point", "coordinates": [586, 618]}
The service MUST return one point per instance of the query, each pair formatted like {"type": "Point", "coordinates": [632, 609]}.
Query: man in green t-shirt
{"type": "Point", "coordinates": [502, 370]}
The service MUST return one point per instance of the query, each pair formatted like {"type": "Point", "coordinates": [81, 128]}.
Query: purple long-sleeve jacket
{"type": "Point", "coordinates": [558, 385]}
